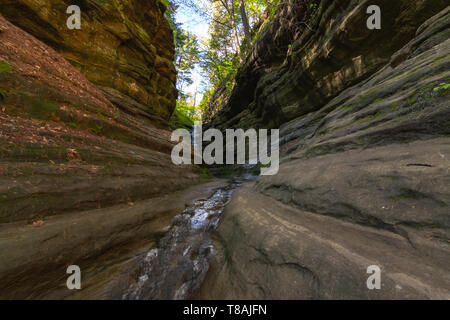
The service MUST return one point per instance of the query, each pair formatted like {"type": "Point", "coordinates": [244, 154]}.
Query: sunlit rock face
{"type": "Point", "coordinates": [86, 175]}
{"type": "Point", "coordinates": [125, 46]}
{"type": "Point", "coordinates": [364, 124]}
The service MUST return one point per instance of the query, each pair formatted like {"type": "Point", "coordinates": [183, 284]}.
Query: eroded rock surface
{"type": "Point", "coordinates": [86, 176]}
{"type": "Point", "coordinates": [269, 250]}
{"type": "Point", "coordinates": [126, 45]}
{"type": "Point", "coordinates": [364, 176]}
{"type": "Point", "coordinates": [295, 68]}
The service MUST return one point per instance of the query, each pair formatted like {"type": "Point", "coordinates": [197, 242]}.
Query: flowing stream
{"type": "Point", "coordinates": [178, 266]}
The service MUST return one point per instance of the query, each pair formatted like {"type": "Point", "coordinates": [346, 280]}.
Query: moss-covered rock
{"type": "Point", "coordinates": [294, 68]}
{"type": "Point", "coordinates": [364, 171]}
{"type": "Point", "coordinates": [73, 155]}
{"type": "Point", "coordinates": [126, 45]}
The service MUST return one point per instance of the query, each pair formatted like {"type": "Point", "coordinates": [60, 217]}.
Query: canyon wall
{"type": "Point", "coordinates": [125, 46]}
{"type": "Point", "coordinates": [293, 69]}
{"type": "Point", "coordinates": [86, 175]}
{"type": "Point", "coordinates": [364, 118]}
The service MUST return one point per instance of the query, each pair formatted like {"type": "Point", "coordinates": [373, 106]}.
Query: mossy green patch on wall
{"type": "Point", "coordinates": [5, 67]}
{"type": "Point", "coordinates": [118, 46]}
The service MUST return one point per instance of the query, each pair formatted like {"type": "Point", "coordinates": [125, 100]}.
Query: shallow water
{"type": "Point", "coordinates": [178, 266]}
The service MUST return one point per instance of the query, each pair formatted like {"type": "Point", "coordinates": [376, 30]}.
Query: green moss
{"type": "Point", "coordinates": [100, 115]}
{"type": "Point", "coordinates": [393, 178]}
{"type": "Point", "coordinates": [121, 137]}
{"type": "Point", "coordinates": [394, 107]}
{"type": "Point", "coordinates": [372, 91]}
{"type": "Point", "coordinates": [42, 109]}
{"type": "Point", "coordinates": [3, 93]}
{"type": "Point", "coordinates": [408, 194]}
{"type": "Point", "coordinates": [349, 106]}
{"type": "Point", "coordinates": [5, 67]}
{"type": "Point", "coordinates": [441, 58]}
{"type": "Point", "coordinates": [205, 173]}
{"type": "Point", "coordinates": [104, 1]}
{"type": "Point", "coordinates": [33, 152]}
{"type": "Point", "coordinates": [97, 129]}
{"type": "Point", "coordinates": [442, 88]}
{"type": "Point", "coordinates": [363, 98]}
{"type": "Point", "coordinates": [62, 77]}
{"type": "Point", "coordinates": [443, 72]}
{"type": "Point", "coordinates": [376, 115]}
{"type": "Point", "coordinates": [323, 133]}
{"type": "Point", "coordinates": [180, 120]}
{"type": "Point", "coordinates": [394, 76]}
{"type": "Point", "coordinates": [411, 101]}
{"type": "Point", "coordinates": [371, 117]}
{"type": "Point", "coordinates": [377, 100]}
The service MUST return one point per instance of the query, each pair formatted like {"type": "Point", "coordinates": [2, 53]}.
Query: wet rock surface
{"type": "Point", "coordinates": [177, 267]}
{"type": "Point", "coordinates": [269, 250]}
{"type": "Point", "coordinates": [364, 173]}
{"type": "Point", "coordinates": [107, 244]}
{"type": "Point", "coordinates": [86, 176]}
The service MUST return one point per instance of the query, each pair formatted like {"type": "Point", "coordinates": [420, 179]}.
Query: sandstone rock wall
{"type": "Point", "coordinates": [86, 176]}
{"type": "Point", "coordinates": [123, 45]}
{"type": "Point", "coordinates": [294, 69]}
{"type": "Point", "coordinates": [61, 132]}
{"type": "Point", "coordinates": [364, 176]}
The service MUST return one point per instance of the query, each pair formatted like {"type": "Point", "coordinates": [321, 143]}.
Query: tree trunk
{"type": "Point", "coordinates": [245, 23]}
{"type": "Point", "coordinates": [236, 37]}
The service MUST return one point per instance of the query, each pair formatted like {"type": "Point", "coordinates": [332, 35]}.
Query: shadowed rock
{"type": "Point", "coordinates": [364, 176]}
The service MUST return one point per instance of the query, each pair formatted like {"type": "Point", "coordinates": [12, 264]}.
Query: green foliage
{"type": "Point", "coordinates": [207, 95]}
{"type": "Point", "coordinates": [314, 9]}
{"type": "Point", "coordinates": [181, 120]}
{"type": "Point", "coordinates": [187, 56]}
{"type": "Point", "coordinates": [221, 59]}
{"type": "Point", "coordinates": [221, 54]}
{"type": "Point", "coordinates": [273, 6]}
{"type": "Point", "coordinates": [184, 115]}
{"type": "Point", "coordinates": [170, 13]}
